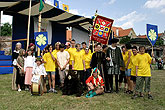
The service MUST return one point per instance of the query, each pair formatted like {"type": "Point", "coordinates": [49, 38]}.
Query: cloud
{"type": "Point", "coordinates": [162, 10]}
{"type": "Point", "coordinates": [111, 2]}
{"type": "Point", "coordinates": [74, 11]}
{"type": "Point", "coordinates": [154, 4]}
{"type": "Point", "coordinates": [6, 19]}
{"type": "Point", "coordinates": [130, 19]}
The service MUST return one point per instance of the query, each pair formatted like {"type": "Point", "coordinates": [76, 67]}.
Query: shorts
{"type": "Point", "coordinates": [128, 72]}
{"type": "Point", "coordinates": [133, 78]}
{"type": "Point", "coordinates": [140, 82]}
{"type": "Point", "coordinates": [51, 73]}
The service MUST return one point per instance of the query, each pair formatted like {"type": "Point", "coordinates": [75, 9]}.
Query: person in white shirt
{"type": "Point", "coordinates": [29, 63]}
{"type": "Point", "coordinates": [63, 63]}
{"type": "Point", "coordinates": [39, 69]}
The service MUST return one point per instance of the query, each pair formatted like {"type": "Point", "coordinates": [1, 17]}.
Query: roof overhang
{"type": "Point", "coordinates": [49, 12]}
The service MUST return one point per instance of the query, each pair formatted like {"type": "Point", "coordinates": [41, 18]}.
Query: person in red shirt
{"type": "Point", "coordinates": [95, 84]}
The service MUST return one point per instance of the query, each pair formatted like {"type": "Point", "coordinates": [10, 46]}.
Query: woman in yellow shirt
{"type": "Point", "coordinates": [128, 67]}
{"type": "Point", "coordinates": [87, 58]}
{"type": "Point", "coordinates": [49, 60]}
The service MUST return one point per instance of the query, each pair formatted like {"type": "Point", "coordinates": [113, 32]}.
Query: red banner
{"type": "Point", "coordinates": [101, 29]}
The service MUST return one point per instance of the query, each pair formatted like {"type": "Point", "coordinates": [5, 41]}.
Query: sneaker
{"type": "Point", "coordinates": [50, 90]}
{"type": "Point", "coordinates": [26, 89]}
{"type": "Point", "coordinates": [150, 96]}
{"type": "Point", "coordinates": [134, 96]}
{"type": "Point", "coordinates": [19, 90]}
{"type": "Point", "coordinates": [54, 91]}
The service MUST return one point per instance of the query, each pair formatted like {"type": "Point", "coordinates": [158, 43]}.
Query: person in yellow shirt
{"type": "Point", "coordinates": [84, 46]}
{"type": "Point", "coordinates": [57, 49]}
{"type": "Point", "coordinates": [128, 67]}
{"type": "Point", "coordinates": [143, 72]}
{"type": "Point", "coordinates": [87, 58]}
{"type": "Point", "coordinates": [67, 46]}
{"type": "Point", "coordinates": [133, 62]}
{"type": "Point", "coordinates": [122, 75]}
{"type": "Point", "coordinates": [71, 51]}
{"type": "Point", "coordinates": [49, 59]}
{"type": "Point", "coordinates": [78, 64]}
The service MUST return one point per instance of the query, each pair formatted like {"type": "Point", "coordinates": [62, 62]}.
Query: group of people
{"type": "Point", "coordinates": [95, 70]}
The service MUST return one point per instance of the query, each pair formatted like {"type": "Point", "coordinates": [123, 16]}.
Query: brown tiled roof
{"type": "Point", "coordinates": [122, 32]}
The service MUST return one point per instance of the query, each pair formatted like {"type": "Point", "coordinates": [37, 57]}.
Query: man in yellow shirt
{"type": "Point", "coordinates": [78, 64]}
{"type": "Point", "coordinates": [49, 59]}
{"type": "Point", "coordinates": [143, 73]}
{"type": "Point", "coordinates": [134, 63]}
{"type": "Point", "coordinates": [71, 51]}
{"type": "Point", "coordinates": [84, 46]}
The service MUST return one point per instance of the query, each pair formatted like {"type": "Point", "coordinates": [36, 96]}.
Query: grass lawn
{"type": "Point", "coordinates": [23, 100]}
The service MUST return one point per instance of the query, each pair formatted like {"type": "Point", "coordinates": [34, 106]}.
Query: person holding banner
{"type": "Point", "coordinates": [143, 72]}
{"type": "Point", "coordinates": [116, 62]}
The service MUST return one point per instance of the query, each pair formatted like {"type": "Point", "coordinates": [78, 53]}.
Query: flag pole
{"type": "Point", "coordinates": [28, 31]}
{"type": "Point", "coordinates": [39, 30]}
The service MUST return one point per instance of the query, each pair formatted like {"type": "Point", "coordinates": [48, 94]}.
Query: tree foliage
{"type": "Point", "coordinates": [6, 29]}
{"type": "Point", "coordinates": [125, 40]}
{"type": "Point", "coordinates": [159, 41]}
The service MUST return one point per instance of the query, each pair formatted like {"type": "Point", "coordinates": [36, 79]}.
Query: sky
{"type": "Point", "coordinates": [125, 13]}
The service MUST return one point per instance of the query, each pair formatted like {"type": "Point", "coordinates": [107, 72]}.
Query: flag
{"type": "Point", "coordinates": [152, 33]}
{"type": "Point", "coordinates": [41, 5]}
{"type": "Point", "coordinates": [41, 39]}
{"type": "Point", "coordinates": [65, 7]}
{"type": "Point", "coordinates": [101, 29]}
{"type": "Point", "coordinates": [56, 3]}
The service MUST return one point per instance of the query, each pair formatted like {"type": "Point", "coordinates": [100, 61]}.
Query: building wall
{"type": "Point", "coordinates": [80, 36]}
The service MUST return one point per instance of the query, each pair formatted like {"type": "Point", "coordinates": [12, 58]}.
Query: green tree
{"type": "Point", "coordinates": [159, 41]}
{"type": "Point", "coordinates": [125, 40]}
{"type": "Point", "coordinates": [6, 29]}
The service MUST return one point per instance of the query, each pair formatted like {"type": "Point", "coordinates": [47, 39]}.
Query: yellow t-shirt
{"type": "Point", "coordinates": [87, 58]}
{"type": "Point", "coordinates": [124, 59]}
{"type": "Point", "coordinates": [77, 57]}
{"type": "Point", "coordinates": [66, 50]}
{"type": "Point", "coordinates": [134, 63]}
{"type": "Point", "coordinates": [83, 51]}
{"type": "Point", "coordinates": [55, 54]}
{"type": "Point", "coordinates": [127, 56]}
{"type": "Point", "coordinates": [50, 64]}
{"type": "Point", "coordinates": [144, 61]}
{"type": "Point", "coordinates": [71, 52]}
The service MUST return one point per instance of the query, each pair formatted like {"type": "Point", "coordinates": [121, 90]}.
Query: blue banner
{"type": "Point", "coordinates": [152, 33]}
{"type": "Point", "coordinates": [56, 3]}
{"type": "Point", "coordinates": [41, 39]}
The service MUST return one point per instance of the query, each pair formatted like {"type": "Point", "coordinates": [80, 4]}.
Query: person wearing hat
{"type": "Point", "coordinates": [32, 47]}
{"type": "Point", "coordinates": [63, 63]}
{"type": "Point", "coordinates": [95, 84]}
{"type": "Point", "coordinates": [67, 45]}
{"type": "Point", "coordinates": [39, 69]}
{"type": "Point", "coordinates": [115, 62]}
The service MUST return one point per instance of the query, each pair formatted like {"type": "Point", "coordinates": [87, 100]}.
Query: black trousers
{"type": "Point", "coordinates": [122, 76]}
{"type": "Point", "coordinates": [111, 81]}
